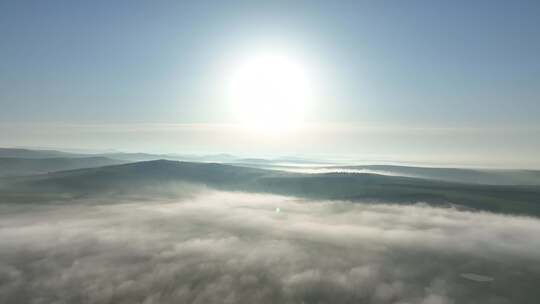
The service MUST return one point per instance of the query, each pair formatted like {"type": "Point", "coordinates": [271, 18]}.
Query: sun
{"type": "Point", "coordinates": [269, 91]}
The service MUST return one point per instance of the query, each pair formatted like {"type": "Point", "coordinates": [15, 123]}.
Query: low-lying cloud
{"type": "Point", "coordinates": [225, 247]}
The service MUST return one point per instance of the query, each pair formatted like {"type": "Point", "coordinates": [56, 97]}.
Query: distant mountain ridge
{"type": "Point", "coordinates": [295, 164]}
{"type": "Point", "coordinates": [125, 156]}
{"type": "Point", "coordinates": [33, 154]}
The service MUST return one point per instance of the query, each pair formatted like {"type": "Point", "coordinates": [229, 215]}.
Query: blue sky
{"type": "Point", "coordinates": [389, 64]}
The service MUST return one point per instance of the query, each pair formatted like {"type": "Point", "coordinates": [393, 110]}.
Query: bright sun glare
{"type": "Point", "coordinates": [269, 91]}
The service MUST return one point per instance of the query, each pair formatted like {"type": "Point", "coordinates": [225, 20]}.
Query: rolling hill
{"type": "Point", "coordinates": [142, 177]}
{"type": "Point", "coordinates": [28, 166]}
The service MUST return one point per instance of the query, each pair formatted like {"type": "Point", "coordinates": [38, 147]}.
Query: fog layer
{"type": "Point", "coordinates": [229, 247]}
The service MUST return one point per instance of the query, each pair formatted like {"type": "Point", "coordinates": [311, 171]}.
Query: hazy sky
{"type": "Point", "coordinates": [388, 72]}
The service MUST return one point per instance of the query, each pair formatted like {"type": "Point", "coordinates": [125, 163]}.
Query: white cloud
{"type": "Point", "coordinates": [225, 247]}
